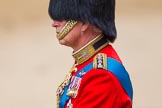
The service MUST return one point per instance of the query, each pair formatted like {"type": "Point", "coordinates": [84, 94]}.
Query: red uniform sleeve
{"type": "Point", "coordinates": [100, 89]}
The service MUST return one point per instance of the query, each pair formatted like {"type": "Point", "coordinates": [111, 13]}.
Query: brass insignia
{"type": "Point", "coordinates": [100, 61]}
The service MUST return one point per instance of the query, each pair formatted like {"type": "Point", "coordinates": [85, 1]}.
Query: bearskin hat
{"type": "Point", "coordinates": [100, 13]}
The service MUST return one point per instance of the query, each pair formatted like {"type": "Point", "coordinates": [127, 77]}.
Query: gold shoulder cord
{"type": "Point", "coordinates": [66, 29]}
{"type": "Point", "coordinates": [61, 87]}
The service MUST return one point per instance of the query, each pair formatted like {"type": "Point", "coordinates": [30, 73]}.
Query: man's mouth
{"type": "Point", "coordinates": [57, 32]}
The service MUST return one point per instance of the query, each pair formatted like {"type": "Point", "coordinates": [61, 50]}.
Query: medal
{"type": "Point", "coordinates": [65, 83]}
{"type": "Point", "coordinates": [74, 86]}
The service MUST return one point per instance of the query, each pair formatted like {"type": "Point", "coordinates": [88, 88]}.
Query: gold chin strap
{"type": "Point", "coordinates": [66, 29]}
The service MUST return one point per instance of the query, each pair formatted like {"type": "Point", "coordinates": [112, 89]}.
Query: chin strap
{"type": "Point", "coordinates": [66, 29]}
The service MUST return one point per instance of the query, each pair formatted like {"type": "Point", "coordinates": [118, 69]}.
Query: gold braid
{"type": "Point", "coordinates": [65, 83]}
{"type": "Point", "coordinates": [67, 28]}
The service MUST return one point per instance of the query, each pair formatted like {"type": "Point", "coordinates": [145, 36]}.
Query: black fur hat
{"type": "Point", "coordinates": [100, 13]}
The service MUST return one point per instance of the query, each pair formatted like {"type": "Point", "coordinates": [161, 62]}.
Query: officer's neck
{"type": "Point", "coordinates": [87, 34]}
{"type": "Point", "coordinates": [83, 41]}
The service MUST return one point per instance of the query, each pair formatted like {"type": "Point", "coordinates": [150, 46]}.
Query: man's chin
{"type": "Point", "coordinates": [63, 42]}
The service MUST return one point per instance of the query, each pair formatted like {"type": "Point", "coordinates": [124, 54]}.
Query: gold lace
{"type": "Point", "coordinates": [88, 50]}
{"type": "Point", "coordinates": [66, 29]}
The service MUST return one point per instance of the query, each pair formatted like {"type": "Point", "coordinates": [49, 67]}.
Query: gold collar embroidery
{"type": "Point", "coordinates": [88, 50]}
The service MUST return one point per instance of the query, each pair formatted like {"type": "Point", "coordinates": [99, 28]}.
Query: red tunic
{"type": "Point", "coordinates": [100, 88]}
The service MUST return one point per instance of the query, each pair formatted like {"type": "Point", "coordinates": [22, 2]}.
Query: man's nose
{"type": "Point", "coordinates": [55, 23]}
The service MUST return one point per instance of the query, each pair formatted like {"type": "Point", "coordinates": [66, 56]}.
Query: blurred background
{"type": "Point", "coordinates": [32, 63]}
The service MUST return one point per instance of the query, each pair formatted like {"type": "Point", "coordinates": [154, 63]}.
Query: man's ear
{"type": "Point", "coordinates": [85, 26]}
